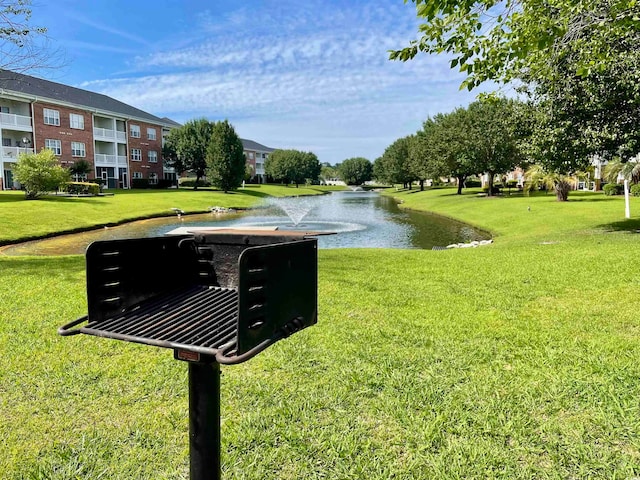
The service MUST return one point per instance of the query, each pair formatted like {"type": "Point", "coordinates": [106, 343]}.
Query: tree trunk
{"type": "Point", "coordinates": [490, 191]}
{"type": "Point", "coordinates": [195, 185]}
{"type": "Point", "coordinates": [562, 190]}
{"type": "Point", "coordinates": [461, 179]}
{"type": "Point", "coordinates": [422, 185]}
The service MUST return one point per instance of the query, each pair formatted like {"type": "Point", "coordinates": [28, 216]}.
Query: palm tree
{"type": "Point", "coordinates": [629, 170]}
{"type": "Point", "coordinates": [559, 182]}
{"type": "Point", "coordinates": [80, 169]}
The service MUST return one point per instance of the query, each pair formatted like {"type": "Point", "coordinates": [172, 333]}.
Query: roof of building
{"type": "Point", "coordinates": [57, 92]}
{"type": "Point", "coordinates": [171, 122]}
{"type": "Point", "coordinates": [251, 145]}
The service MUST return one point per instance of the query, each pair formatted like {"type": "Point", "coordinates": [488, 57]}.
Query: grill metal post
{"type": "Point", "coordinates": [204, 420]}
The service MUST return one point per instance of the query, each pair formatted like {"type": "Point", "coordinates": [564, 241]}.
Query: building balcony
{"type": "Point", "coordinates": [15, 122]}
{"type": "Point", "coordinates": [104, 160]}
{"type": "Point", "coordinates": [106, 134]}
{"type": "Point", "coordinates": [11, 154]}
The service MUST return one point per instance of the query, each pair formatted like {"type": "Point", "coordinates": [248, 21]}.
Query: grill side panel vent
{"type": "Point", "coordinates": [123, 273]}
{"type": "Point", "coordinates": [277, 291]}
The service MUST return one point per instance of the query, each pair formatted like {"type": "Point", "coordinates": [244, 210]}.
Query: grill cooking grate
{"type": "Point", "coordinates": [198, 318]}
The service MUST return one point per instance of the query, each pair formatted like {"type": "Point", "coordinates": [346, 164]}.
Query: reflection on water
{"type": "Point", "coordinates": [363, 220]}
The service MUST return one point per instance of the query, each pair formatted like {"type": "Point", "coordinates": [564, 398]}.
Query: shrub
{"type": "Point", "coordinates": [471, 183]}
{"type": "Point", "coordinates": [192, 183]}
{"type": "Point", "coordinates": [635, 190]}
{"type": "Point", "coordinates": [39, 173]}
{"type": "Point", "coordinates": [164, 183]}
{"type": "Point", "coordinates": [613, 189]}
{"type": "Point", "coordinates": [84, 188]}
{"type": "Point", "coordinates": [140, 183]}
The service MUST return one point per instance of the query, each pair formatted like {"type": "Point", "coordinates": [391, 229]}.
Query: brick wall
{"type": "Point", "coordinates": [250, 156]}
{"type": "Point", "coordinates": [64, 133]}
{"type": "Point", "coordinates": [145, 145]}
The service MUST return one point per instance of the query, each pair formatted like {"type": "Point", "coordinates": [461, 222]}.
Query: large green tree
{"type": "Point", "coordinates": [355, 171]}
{"type": "Point", "coordinates": [39, 173]}
{"type": "Point", "coordinates": [226, 164]}
{"type": "Point", "coordinates": [520, 39]}
{"type": "Point", "coordinates": [582, 116]}
{"type": "Point", "coordinates": [394, 164]}
{"type": "Point", "coordinates": [292, 166]}
{"type": "Point", "coordinates": [495, 135]}
{"type": "Point", "coordinates": [442, 148]}
{"type": "Point", "coordinates": [186, 147]}
{"type": "Point", "coordinates": [424, 164]}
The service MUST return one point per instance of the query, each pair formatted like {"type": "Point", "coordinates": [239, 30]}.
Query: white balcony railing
{"type": "Point", "coordinates": [13, 120]}
{"type": "Point", "coordinates": [122, 160]}
{"type": "Point", "coordinates": [103, 159]}
{"type": "Point", "coordinates": [104, 133]}
{"type": "Point", "coordinates": [11, 154]}
{"type": "Point", "coordinates": [108, 134]}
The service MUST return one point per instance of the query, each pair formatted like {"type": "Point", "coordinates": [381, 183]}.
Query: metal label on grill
{"type": "Point", "coordinates": [187, 356]}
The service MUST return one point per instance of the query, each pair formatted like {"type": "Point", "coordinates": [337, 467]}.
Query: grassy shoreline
{"type": "Point", "coordinates": [516, 360]}
{"type": "Point", "coordinates": [55, 215]}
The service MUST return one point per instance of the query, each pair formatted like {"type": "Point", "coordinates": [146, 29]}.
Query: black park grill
{"type": "Point", "coordinates": [214, 298]}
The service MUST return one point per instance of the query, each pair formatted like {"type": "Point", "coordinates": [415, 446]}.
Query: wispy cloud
{"type": "Point", "coordinates": [74, 45]}
{"type": "Point", "coordinates": [107, 29]}
{"type": "Point", "coordinates": [296, 74]}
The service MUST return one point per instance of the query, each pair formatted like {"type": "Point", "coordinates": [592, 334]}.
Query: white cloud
{"type": "Point", "coordinates": [297, 75]}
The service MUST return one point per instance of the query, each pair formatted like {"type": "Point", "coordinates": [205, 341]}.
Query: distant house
{"type": "Point", "coordinates": [256, 155]}
{"type": "Point", "coordinates": [119, 141]}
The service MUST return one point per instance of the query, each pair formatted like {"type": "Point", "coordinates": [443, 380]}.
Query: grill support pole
{"type": "Point", "coordinates": [204, 420]}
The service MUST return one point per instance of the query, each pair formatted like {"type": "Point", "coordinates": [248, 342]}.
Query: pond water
{"type": "Point", "coordinates": [361, 220]}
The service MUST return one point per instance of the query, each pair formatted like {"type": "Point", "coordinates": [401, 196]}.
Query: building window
{"type": "Point", "coordinates": [137, 174]}
{"type": "Point", "coordinates": [54, 145]}
{"type": "Point", "coordinates": [51, 117]}
{"type": "Point", "coordinates": [151, 133]}
{"type": "Point", "coordinates": [134, 131]}
{"type": "Point", "coordinates": [136, 154]}
{"type": "Point", "coordinates": [153, 178]}
{"type": "Point", "coordinates": [78, 150]}
{"type": "Point", "coordinates": [4, 109]}
{"type": "Point", "coordinates": [76, 121]}
{"type": "Point", "coordinates": [153, 157]}
{"type": "Point", "coordinates": [251, 155]}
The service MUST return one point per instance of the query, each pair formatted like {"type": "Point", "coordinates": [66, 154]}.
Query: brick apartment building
{"type": "Point", "coordinates": [256, 154]}
{"type": "Point", "coordinates": [119, 141]}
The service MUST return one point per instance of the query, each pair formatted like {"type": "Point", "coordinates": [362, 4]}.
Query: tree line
{"type": "Point", "coordinates": [486, 137]}
{"type": "Point", "coordinates": [576, 63]}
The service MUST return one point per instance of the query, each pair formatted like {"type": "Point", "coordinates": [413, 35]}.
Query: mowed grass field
{"type": "Point", "coordinates": [516, 360]}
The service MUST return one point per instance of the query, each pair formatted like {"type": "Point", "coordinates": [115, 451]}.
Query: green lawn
{"type": "Point", "coordinates": [516, 360]}
{"type": "Point", "coordinates": [21, 219]}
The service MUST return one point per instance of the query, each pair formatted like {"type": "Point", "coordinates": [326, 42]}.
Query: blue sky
{"type": "Point", "coordinates": [312, 75]}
